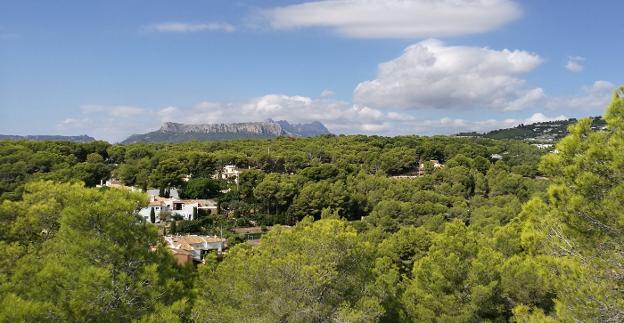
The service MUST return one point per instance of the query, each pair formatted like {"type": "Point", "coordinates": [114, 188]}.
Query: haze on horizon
{"type": "Point", "coordinates": [388, 67]}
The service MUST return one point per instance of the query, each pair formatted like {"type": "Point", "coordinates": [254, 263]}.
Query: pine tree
{"type": "Point", "coordinates": [578, 231]}
{"type": "Point", "coordinates": [316, 272]}
{"type": "Point", "coordinates": [101, 265]}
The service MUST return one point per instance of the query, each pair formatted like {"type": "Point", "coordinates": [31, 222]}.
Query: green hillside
{"type": "Point", "coordinates": [540, 132]}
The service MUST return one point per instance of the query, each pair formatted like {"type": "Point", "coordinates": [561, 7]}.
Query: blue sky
{"type": "Point", "coordinates": [113, 68]}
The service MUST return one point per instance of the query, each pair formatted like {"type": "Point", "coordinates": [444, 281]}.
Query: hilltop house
{"type": "Point", "coordinates": [228, 171]}
{"type": "Point", "coordinates": [193, 248]}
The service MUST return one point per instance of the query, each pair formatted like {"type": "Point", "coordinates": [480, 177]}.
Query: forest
{"type": "Point", "coordinates": [529, 237]}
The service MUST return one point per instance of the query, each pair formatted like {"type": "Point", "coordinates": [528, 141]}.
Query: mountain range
{"type": "Point", "coordinates": [179, 132]}
{"type": "Point", "coordinates": [544, 132]}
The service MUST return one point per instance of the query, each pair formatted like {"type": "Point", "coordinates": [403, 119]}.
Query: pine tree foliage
{"type": "Point", "coordinates": [579, 229]}
{"type": "Point", "coordinates": [90, 258]}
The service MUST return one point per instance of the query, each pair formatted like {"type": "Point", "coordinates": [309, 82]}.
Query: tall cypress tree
{"type": "Point", "coordinates": [174, 227]}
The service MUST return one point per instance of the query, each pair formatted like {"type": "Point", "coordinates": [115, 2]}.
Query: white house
{"type": "Point", "coordinates": [158, 207]}
{"type": "Point", "coordinates": [229, 171]}
{"type": "Point", "coordinates": [174, 206]}
{"type": "Point", "coordinates": [185, 208]}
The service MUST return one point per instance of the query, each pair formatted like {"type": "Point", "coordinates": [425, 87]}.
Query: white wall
{"type": "Point", "coordinates": [146, 211]}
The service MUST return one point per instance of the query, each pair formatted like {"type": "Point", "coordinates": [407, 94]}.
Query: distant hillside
{"type": "Point", "coordinates": [539, 132]}
{"type": "Point", "coordinates": [303, 129]}
{"type": "Point", "coordinates": [81, 138]}
{"type": "Point", "coordinates": [179, 132]}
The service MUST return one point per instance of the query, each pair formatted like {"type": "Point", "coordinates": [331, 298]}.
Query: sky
{"type": "Point", "coordinates": [388, 67]}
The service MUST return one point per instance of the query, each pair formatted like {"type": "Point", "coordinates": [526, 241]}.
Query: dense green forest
{"type": "Point", "coordinates": [529, 238]}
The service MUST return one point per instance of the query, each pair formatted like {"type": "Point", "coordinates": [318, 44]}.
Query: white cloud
{"type": "Point", "coordinates": [593, 99]}
{"type": "Point", "coordinates": [575, 64]}
{"type": "Point", "coordinates": [327, 93]}
{"type": "Point", "coordinates": [430, 74]}
{"type": "Point", "coordinates": [183, 27]}
{"type": "Point", "coordinates": [115, 123]}
{"type": "Point", "coordinates": [70, 121]}
{"type": "Point", "coordinates": [396, 18]}
{"type": "Point", "coordinates": [540, 117]}
{"type": "Point", "coordinates": [338, 116]}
